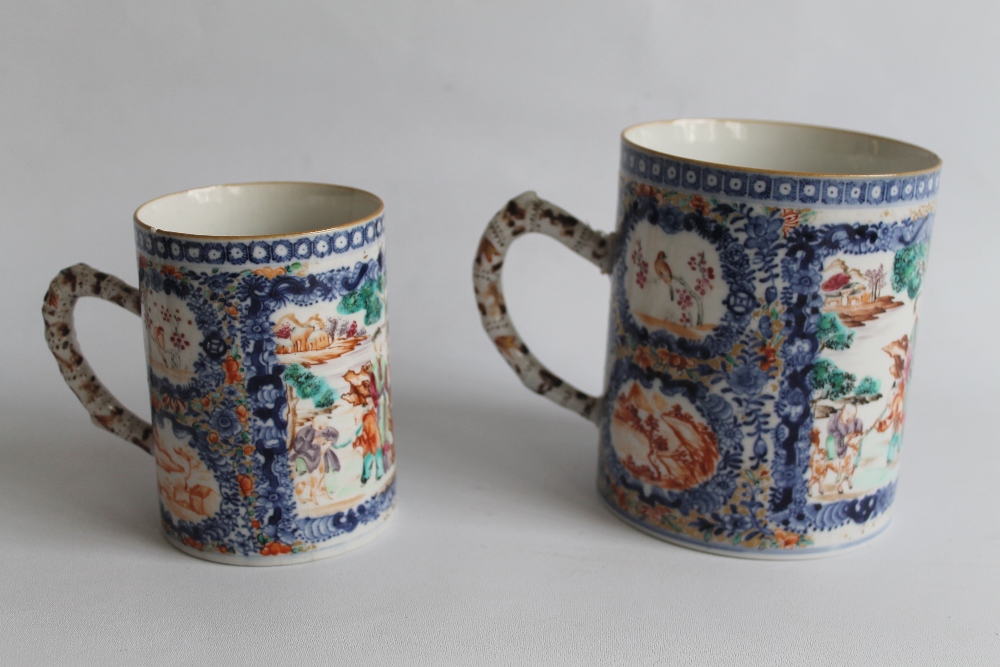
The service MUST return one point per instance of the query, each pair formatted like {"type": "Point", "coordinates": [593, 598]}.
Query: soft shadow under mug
{"type": "Point", "coordinates": [766, 282]}
{"type": "Point", "coordinates": [263, 306]}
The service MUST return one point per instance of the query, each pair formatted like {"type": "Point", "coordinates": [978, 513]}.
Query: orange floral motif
{"type": "Point", "coordinates": [656, 513]}
{"type": "Point", "coordinates": [275, 548]}
{"type": "Point", "coordinates": [232, 311]}
{"type": "Point", "coordinates": [241, 413]}
{"type": "Point", "coordinates": [620, 497]}
{"type": "Point", "coordinates": [206, 402]}
{"type": "Point", "coordinates": [786, 539]}
{"type": "Point", "coordinates": [173, 403]}
{"type": "Point", "coordinates": [213, 437]}
{"type": "Point", "coordinates": [643, 190]}
{"type": "Point", "coordinates": [643, 357]}
{"type": "Point", "coordinates": [770, 357]}
{"type": "Point", "coordinates": [171, 271]}
{"type": "Point", "coordinates": [674, 360]}
{"type": "Point", "coordinates": [232, 368]}
{"type": "Point", "coordinates": [269, 272]}
{"type": "Point", "coordinates": [792, 220]}
{"type": "Point", "coordinates": [246, 484]}
{"type": "Point", "coordinates": [248, 450]}
{"type": "Point", "coordinates": [699, 204]}
{"type": "Point", "coordinates": [194, 544]}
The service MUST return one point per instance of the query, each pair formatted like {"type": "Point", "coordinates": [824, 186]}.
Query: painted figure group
{"type": "Point", "coordinates": [841, 451]}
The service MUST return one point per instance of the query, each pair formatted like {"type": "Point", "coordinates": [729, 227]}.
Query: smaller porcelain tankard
{"type": "Point", "coordinates": [766, 282]}
{"type": "Point", "coordinates": [265, 324]}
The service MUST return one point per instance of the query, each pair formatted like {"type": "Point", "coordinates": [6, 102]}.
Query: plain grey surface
{"type": "Point", "coordinates": [501, 552]}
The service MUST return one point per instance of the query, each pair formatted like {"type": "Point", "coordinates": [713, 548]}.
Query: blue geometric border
{"type": "Point", "coordinates": [789, 190]}
{"type": "Point", "coordinates": [261, 251]}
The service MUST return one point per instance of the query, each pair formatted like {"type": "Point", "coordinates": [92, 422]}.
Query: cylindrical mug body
{"type": "Point", "coordinates": [762, 330]}
{"type": "Point", "coordinates": [268, 369]}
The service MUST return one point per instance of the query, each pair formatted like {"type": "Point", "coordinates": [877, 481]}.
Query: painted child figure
{"type": "Point", "coordinates": [899, 350]}
{"type": "Point", "coordinates": [843, 425]}
{"type": "Point", "coordinates": [368, 439]}
{"type": "Point", "coordinates": [313, 456]}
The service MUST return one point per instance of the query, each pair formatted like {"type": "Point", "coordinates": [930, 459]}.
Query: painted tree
{"type": "Point", "coordinates": [832, 334]}
{"type": "Point", "coordinates": [868, 386]}
{"type": "Point", "coordinates": [301, 383]}
{"type": "Point", "coordinates": [368, 297]}
{"type": "Point", "coordinates": [908, 269]}
{"type": "Point", "coordinates": [876, 280]}
{"type": "Point", "coordinates": [831, 382]}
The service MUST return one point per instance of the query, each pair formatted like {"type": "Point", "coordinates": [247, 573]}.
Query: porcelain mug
{"type": "Point", "coordinates": [766, 282]}
{"type": "Point", "coordinates": [264, 309]}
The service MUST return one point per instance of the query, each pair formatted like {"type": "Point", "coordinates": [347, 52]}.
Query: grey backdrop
{"type": "Point", "coordinates": [501, 552]}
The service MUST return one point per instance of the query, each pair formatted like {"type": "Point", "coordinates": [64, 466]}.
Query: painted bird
{"type": "Point", "coordinates": [663, 270]}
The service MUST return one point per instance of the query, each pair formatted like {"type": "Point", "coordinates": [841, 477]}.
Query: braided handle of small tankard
{"type": "Point", "coordinates": [523, 214]}
{"type": "Point", "coordinates": [60, 333]}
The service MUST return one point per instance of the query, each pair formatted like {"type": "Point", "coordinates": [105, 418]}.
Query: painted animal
{"type": "Point", "coordinates": [663, 271]}
{"type": "Point", "coordinates": [313, 456]}
{"type": "Point", "coordinates": [820, 466]}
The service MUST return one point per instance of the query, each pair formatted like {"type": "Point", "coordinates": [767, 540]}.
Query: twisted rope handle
{"type": "Point", "coordinates": [60, 333]}
{"type": "Point", "coordinates": [524, 214]}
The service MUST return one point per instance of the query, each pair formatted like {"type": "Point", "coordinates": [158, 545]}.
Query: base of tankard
{"type": "Point", "coordinates": [802, 553]}
{"type": "Point", "coordinates": [359, 537]}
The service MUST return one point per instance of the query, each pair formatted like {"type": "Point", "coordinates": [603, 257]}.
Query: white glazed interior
{"type": "Point", "coordinates": [258, 209]}
{"type": "Point", "coordinates": [781, 147]}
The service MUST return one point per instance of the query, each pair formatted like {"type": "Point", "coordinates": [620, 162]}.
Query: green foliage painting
{"type": "Point", "coordinates": [309, 386]}
{"type": "Point", "coordinates": [832, 334]}
{"type": "Point", "coordinates": [868, 386]}
{"type": "Point", "coordinates": [908, 269]}
{"type": "Point", "coordinates": [368, 297]}
{"type": "Point", "coordinates": [831, 381]}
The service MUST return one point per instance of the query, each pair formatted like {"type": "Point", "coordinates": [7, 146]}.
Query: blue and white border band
{"type": "Point", "coordinates": [811, 192]}
{"type": "Point", "coordinates": [260, 251]}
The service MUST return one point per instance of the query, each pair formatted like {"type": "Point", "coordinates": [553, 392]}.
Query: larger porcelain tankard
{"type": "Point", "coordinates": [766, 282]}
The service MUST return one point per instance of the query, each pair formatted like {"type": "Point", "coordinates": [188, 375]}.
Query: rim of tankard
{"type": "Point", "coordinates": [818, 174]}
{"type": "Point", "coordinates": [366, 218]}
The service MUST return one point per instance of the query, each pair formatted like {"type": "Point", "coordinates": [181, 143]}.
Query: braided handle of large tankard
{"type": "Point", "coordinates": [60, 333]}
{"type": "Point", "coordinates": [524, 214]}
